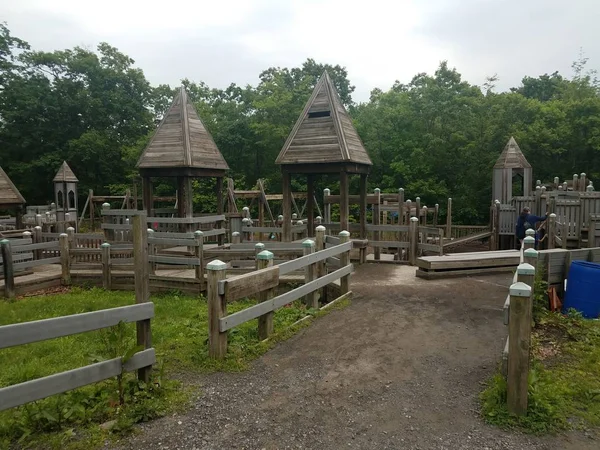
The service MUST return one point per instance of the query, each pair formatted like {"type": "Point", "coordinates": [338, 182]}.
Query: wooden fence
{"type": "Point", "coordinates": [40, 330]}
{"type": "Point", "coordinates": [262, 283]}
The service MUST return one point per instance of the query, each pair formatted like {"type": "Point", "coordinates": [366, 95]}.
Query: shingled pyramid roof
{"type": "Point", "coordinates": [9, 194]}
{"type": "Point", "coordinates": [512, 157]}
{"type": "Point", "coordinates": [324, 132]}
{"type": "Point", "coordinates": [65, 174]}
{"type": "Point", "coordinates": [182, 141]}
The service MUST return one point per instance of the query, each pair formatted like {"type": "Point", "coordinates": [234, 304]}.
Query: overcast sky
{"type": "Point", "coordinates": [224, 41]}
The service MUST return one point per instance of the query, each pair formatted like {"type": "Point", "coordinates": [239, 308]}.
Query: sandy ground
{"type": "Point", "coordinates": [401, 368]}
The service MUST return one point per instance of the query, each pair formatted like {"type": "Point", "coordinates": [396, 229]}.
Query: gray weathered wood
{"type": "Point", "coordinates": [106, 266]}
{"type": "Point", "coordinates": [413, 238]}
{"type": "Point", "coordinates": [176, 242]}
{"type": "Point", "coordinates": [217, 308]}
{"type": "Point", "coordinates": [311, 300]}
{"type": "Point", "coordinates": [41, 330]}
{"type": "Point", "coordinates": [187, 220]}
{"type": "Point", "coordinates": [376, 224]}
{"type": "Point", "coordinates": [176, 260]}
{"type": "Point", "coordinates": [344, 261]}
{"type": "Point", "coordinates": [519, 332]}
{"type": "Point", "coordinates": [65, 259]}
{"type": "Point", "coordinates": [249, 284]}
{"type": "Point", "coordinates": [30, 391]}
{"type": "Point", "coordinates": [319, 256]}
{"type": "Point", "coordinates": [8, 269]}
{"type": "Point", "coordinates": [264, 261]}
{"type": "Point", "coordinates": [39, 262]}
{"type": "Point", "coordinates": [235, 319]}
{"type": "Point", "coordinates": [449, 219]}
{"type": "Point", "coordinates": [287, 207]}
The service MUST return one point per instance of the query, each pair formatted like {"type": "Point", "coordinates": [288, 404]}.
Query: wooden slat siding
{"type": "Point", "coordinates": [31, 247]}
{"type": "Point", "coordinates": [322, 255]}
{"type": "Point", "coordinates": [175, 242]}
{"type": "Point", "coordinates": [41, 330]}
{"type": "Point", "coordinates": [36, 263]}
{"type": "Point", "coordinates": [249, 284]}
{"type": "Point", "coordinates": [18, 242]}
{"type": "Point", "coordinates": [175, 260]}
{"type": "Point", "coordinates": [186, 220]}
{"type": "Point", "coordinates": [235, 319]}
{"type": "Point", "coordinates": [33, 390]}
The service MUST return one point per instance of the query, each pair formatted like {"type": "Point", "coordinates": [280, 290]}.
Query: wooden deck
{"type": "Point", "coordinates": [41, 277]}
{"type": "Point", "coordinates": [461, 264]}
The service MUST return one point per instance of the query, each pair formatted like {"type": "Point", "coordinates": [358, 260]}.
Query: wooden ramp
{"type": "Point", "coordinates": [467, 239]}
{"type": "Point", "coordinates": [461, 264]}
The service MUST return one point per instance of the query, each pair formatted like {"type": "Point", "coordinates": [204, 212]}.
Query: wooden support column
{"type": "Point", "coordinates": [344, 205]}
{"type": "Point", "coordinates": [19, 217]}
{"type": "Point", "coordinates": [65, 259]}
{"type": "Point", "coordinates": [217, 308]}
{"type": "Point", "coordinates": [363, 206]}
{"type": "Point", "coordinates": [376, 222]}
{"type": "Point", "coordinates": [220, 208]}
{"type": "Point", "coordinates": [7, 267]}
{"type": "Point", "coordinates": [287, 207]}
{"type": "Point", "coordinates": [265, 322]}
{"type": "Point", "coordinates": [184, 197]}
{"type": "Point", "coordinates": [310, 204]}
{"type": "Point", "coordinates": [199, 253]}
{"type": "Point", "coordinates": [142, 286]}
{"type": "Point", "coordinates": [321, 267]}
{"type": "Point", "coordinates": [519, 338]}
{"type": "Point", "coordinates": [449, 219]}
{"type": "Point", "coordinates": [413, 240]}
{"type": "Point", "coordinates": [311, 300]}
{"type": "Point", "coordinates": [106, 278]}
{"type": "Point", "coordinates": [148, 196]}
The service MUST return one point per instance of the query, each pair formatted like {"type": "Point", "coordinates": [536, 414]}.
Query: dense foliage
{"type": "Point", "coordinates": [437, 136]}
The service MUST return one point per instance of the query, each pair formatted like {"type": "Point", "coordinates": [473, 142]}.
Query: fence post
{"type": "Point", "coordinates": [582, 182]}
{"type": "Point", "coordinates": [344, 261]}
{"type": "Point", "coordinates": [258, 247]}
{"type": "Point", "coordinates": [7, 266]}
{"type": "Point", "coordinates": [551, 230]}
{"type": "Point", "coordinates": [151, 252]}
{"type": "Point", "coordinates": [312, 299]}
{"type": "Point", "coordinates": [38, 220]}
{"type": "Point", "coordinates": [199, 253]}
{"type": "Point", "coordinates": [106, 279]}
{"type": "Point", "coordinates": [441, 242]}
{"type": "Point", "coordinates": [413, 234]}
{"type": "Point", "coordinates": [528, 242]}
{"type": "Point", "coordinates": [530, 256]}
{"type": "Point", "coordinates": [265, 322]}
{"type": "Point", "coordinates": [37, 238]}
{"type": "Point", "coordinates": [320, 266]}
{"type": "Point", "coordinates": [519, 337]}
{"type": "Point", "coordinates": [71, 236]}
{"type": "Point", "coordinates": [235, 237]}
{"type": "Point", "coordinates": [425, 211]}
{"type": "Point", "coordinates": [142, 285]}
{"type": "Point", "coordinates": [326, 206]}
{"type": "Point", "coordinates": [217, 308]}
{"type": "Point", "coordinates": [449, 219]}
{"type": "Point", "coordinates": [418, 208]}
{"type": "Point", "coordinates": [376, 222]}
{"type": "Point", "coordinates": [436, 213]}
{"type": "Point", "coordinates": [107, 219]}
{"type": "Point", "coordinates": [65, 259]}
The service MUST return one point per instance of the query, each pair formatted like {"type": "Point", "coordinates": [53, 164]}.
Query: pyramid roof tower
{"type": "Point", "coordinates": [324, 133]}
{"type": "Point", "coordinates": [9, 194]}
{"type": "Point", "coordinates": [182, 145]}
{"type": "Point", "coordinates": [65, 175]}
{"type": "Point", "coordinates": [512, 157]}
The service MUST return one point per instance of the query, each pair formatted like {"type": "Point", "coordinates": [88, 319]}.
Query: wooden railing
{"type": "Point", "coordinates": [262, 282]}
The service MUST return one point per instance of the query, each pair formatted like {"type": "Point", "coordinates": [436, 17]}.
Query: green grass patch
{"type": "Point", "coordinates": [180, 337]}
{"type": "Point", "coordinates": [564, 380]}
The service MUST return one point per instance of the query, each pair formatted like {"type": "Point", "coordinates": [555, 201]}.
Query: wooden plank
{"type": "Point", "coordinates": [176, 242]}
{"type": "Point", "coordinates": [235, 319]}
{"type": "Point", "coordinates": [216, 232]}
{"type": "Point", "coordinates": [41, 330]}
{"type": "Point", "coordinates": [187, 220]}
{"type": "Point", "coordinates": [249, 284]}
{"type": "Point", "coordinates": [36, 263]}
{"type": "Point", "coordinates": [300, 263]}
{"type": "Point", "coordinates": [388, 228]}
{"type": "Point", "coordinates": [429, 247]}
{"type": "Point", "coordinates": [177, 260]}
{"type": "Point", "coordinates": [30, 391]}
{"type": "Point", "coordinates": [116, 226]}
{"type": "Point", "coordinates": [40, 246]}
{"type": "Point", "coordinates": [389, 244]}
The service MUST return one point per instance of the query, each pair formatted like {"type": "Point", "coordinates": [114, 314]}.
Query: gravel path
{"type": "Point", "coordinates": [401, 368]}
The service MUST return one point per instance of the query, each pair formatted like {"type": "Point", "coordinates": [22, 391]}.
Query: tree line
{"type": "Point", "coordinates": [437, 136]}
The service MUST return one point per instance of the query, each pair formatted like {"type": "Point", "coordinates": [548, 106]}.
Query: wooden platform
{"type": "Point", "coordinates": [41, 277]}
{"type": "Point", "coordinates": [461, 264]}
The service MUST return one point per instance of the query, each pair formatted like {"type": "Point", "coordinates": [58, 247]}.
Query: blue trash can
{"type": "Point", "coordinates": [583, 289]}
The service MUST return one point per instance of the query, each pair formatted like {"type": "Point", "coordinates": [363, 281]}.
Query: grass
{"type": "Point", "coordinates": [564, 378]}
{"type": "Point", "coordinates": [180, 337]}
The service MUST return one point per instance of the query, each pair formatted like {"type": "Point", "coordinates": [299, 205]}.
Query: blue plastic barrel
{"type": "Point", "coordinates": [583, 289]}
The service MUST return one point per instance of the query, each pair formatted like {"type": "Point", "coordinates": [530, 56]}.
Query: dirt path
{"type": "Point", "coordinates": [399, 369]}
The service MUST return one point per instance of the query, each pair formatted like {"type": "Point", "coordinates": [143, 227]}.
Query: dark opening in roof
{"type": "Point", "coordinates": [312, 115]}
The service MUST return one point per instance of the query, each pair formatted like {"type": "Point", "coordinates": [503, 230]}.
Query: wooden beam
{"type": "Point", "coordinates": [363, 206]}
{"type": "Point", "coordinates": [287, 207]}
{"type": "Point", "coordinates": [344, 206]}
{"type": "Point", "coordinates": [310, 204]}
{"type": "Point", "coordinates": [147, 195]}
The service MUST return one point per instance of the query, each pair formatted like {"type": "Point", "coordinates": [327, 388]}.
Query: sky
{"type": "Point", "coordinates": [379, 42]}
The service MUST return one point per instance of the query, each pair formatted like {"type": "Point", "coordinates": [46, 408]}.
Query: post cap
{"type": "Point", "coordinates": [199, 234]}
{"type": "Point", "coordinates": [589, 188]}
{"type": "Point", "coordinates": [259, 245]}
{"type": "Point", "coordinates": [38, 215]}
{"type": "Point", "coordinates": [280, 216]}
{"type": "Point", "coordinates": [525, 269]}
{"type": "Point", "coordinates": [531, 253]}
{"type": "Point", "coordinates": [400, 191]}
{"type": "Point", "coordinates": [318, 217]}
{"type": "Point", "coordinates": [377, 190]}
{"type": "Point", "coordinates": [556, 180]}
{"type": "Point", "coordinates": [582, 174]}
{"type": "Point", "coordinates": [150, 230]}
{"type": "Point", "coordinates": [529, 240]}
{"type": "Point", "coordinates": [414, 219]}
{"type": "Point", "coordinates": [308, 243]}
{"type": "Point", "coordinates": [344, 233]}
{"type": "Point", "coordinates": [497, 202]}
{"type": "Point", "coordinates": [300, 222]}
{"type": "Point", "coordinates": [449, 198]}
{"type": "Point", "coordinates": [418, 199]}
{"type": "Point", "coordinates": [552, 216]}
{"type": "Point", "coordinates": [216, 265]}
{"type": "Point", "coordinates": [538, 187]}
{"type": "Point", "coordinates": [70, 229]}
{"type": "Point", "coordinates": [4, 242]}
{"type": "Point", "coordinates": [63, 234]}
{"type": "Point", "coordinates": [320, 228]}
{"type": "Point", "coordinates": [105, 245]}
{"type": "Point", "coordinates": [27, 233]}
{"type": "Point", "coordinates": [538, 182]}
{"type": "Point", "coordinates": [265, 254]}
{"type": "Point", "coordinates": [105, 205]}
{"type": "Point", "coordinates": [245, 208]}
{"type": "Point", "coordinates": [245, 220]}
{"type": "Point", "coordinates": [575, 175]}
{"type": "Point", "coordinates": [437, 205]}
{"type": "Point", "coordinates": [543, 188]}
{"type": "Point", "coordinates": [530, 232]}
{"type": "Point", "coordinates": [326, 191]}
{"type": "Point", "coordinates": [37, 227]}
{"type": "Point", "coordinates": [409, 201]}
{"type": "Point", "coordinates": [424, 207]}
{"type": "Point", "coordinates": [520, 289]}
{"type": "Point", "coordinates": [235, 233]}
